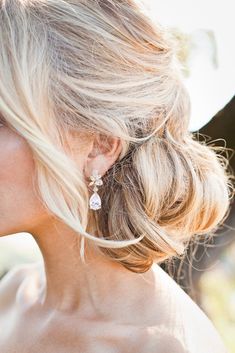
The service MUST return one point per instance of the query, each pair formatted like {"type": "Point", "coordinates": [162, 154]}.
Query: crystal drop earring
{"type": "Point", "coordinates": [95, 200]}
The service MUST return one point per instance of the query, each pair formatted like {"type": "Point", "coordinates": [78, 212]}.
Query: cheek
{"type": "Point", "coordinates": [19, 206]}
{"type": "Point", "coordinates": [15, 161]}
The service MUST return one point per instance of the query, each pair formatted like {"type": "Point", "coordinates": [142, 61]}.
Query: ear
{"type": "Point", "coordinates": [104, 151]}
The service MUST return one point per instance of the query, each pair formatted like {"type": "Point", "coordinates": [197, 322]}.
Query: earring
{"type": "Point", "coordinates": [95, 200]}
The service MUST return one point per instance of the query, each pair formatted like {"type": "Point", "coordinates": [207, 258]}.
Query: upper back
{"type": "Point", "coordinates": [185, 319]}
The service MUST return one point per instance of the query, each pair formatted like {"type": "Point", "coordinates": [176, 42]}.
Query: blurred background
{"type": "Point", "coordinates": [205, 32]}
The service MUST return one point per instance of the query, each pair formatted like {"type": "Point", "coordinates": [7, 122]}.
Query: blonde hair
{"type": "Point", "coordinates": [104, 67]}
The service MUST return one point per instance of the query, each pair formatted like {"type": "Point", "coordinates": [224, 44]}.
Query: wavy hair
{"type": "Point", "coordinates": [104, 67]}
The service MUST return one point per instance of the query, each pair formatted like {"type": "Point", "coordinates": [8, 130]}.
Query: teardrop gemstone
{"type": "Point", "coordinates": [95, 201]}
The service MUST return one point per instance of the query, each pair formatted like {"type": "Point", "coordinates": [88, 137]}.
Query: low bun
{"type": "Point", "coordinates": [167, 191]}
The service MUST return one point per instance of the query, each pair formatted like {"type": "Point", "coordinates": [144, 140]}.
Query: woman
{"type": "Point", "coordinates": [97, 163]}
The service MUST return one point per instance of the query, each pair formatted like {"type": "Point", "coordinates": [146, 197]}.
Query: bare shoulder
{"type": "Point", "coordinates": [11, 281]}
{"type": "Point", "coordinates": [162, 339]}
{"type": "Point", "coordinates": [182, 326]}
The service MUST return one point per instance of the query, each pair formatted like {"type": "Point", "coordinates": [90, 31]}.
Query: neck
{"type": "Point", "coordinates": [93, 287]}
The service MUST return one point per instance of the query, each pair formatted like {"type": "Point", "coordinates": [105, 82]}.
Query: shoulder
{"type": "Point", "coordinates": [12, 280]}
{"type": "Point", "coordinates": [162, 339]}
{"type": "Point", "coordinates": [181, 326]}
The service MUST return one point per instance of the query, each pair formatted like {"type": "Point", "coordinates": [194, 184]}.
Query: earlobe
{"type": "Point", "coordinates": [97, 162]}
{"type": "Point", "coordinates": [103, 155]}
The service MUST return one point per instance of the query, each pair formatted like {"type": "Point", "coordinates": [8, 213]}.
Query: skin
{"type": "Point", "coordinates": [60, 305]}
